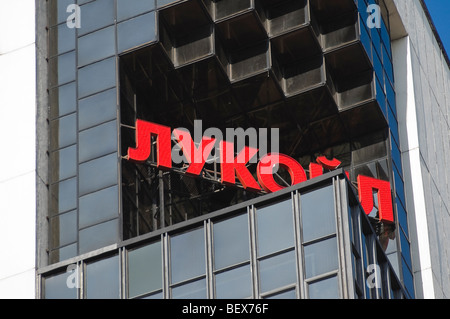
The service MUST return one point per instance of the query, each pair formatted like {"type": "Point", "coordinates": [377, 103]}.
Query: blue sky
{"type": "Point", "coordinates": [440, 13]}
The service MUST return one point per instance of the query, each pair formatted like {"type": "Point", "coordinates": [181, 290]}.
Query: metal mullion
{"type": "Point", "coordinates": [253, 249]}
{"type": "Point", "coordinates": [166, 263]}
{"type": "Point", "coordinates": [210, 291]}
{"type": "Point", "coordinates": [298, 246]}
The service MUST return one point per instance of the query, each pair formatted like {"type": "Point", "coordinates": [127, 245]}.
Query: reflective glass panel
{"type": "Point", "coordinates": [144, 269]}
{"type": "Point", "coordinates": [63, 163]}
{"type": "Point", "coordinates": [64, 196]}
{"type": "Point", "coordinates": [98, 236]}
{"type": "Point", "coordinates": [290, 294]}
{"type": "Point", "coordinates": [61, 39]}
{"type": "Point", "coordinates": [231, 244]}
{"type": "Point", "coordinates": [99, 206]}
{"type": "Point", "coordinates": [130, 33]}
{"type": "Point", "coordinates": [97, 174]}
{"type": "Point", "coordinates": [187, 255]}
{"type": "Point", "coordinates": [317, 213]}
{"type": "Point", "coordinates": [321, 257]}
{"type": "Point", "coordinates": [63, 132]}
{"type": "Point", "coordinates": [130, 8]}
{"type": "Point", "coordinates": [193, 290]}
{"type": "Point", "coordinates": [63, 229]}
{"type": "Point", "coordinates": [55, 287]}
{"type": "Point", "coordinates": [63, 100]}
{"type": "Point", "coordinates": [97, 77]}
{"type": "Point", "coordinates": [275, 227]}
{"type": "Point", "coordinates": [96, 46]}
{"type": "Point", "coordinates": [96, 14]}
{"type": "Point", "coordinates": [324, 289]}
{"type": "Point", "coordinates": [98, 141]}
{"type": "Point", "coordinates": [97, 109]}
{"type": "Point", "coordinates": [103, 278]}
{"type": "Point", "coordinates": [278, 271]}
{"type": "Point", "coordinates": [62, 69]}
{"type": "Point", "coordinates": [234, 284]}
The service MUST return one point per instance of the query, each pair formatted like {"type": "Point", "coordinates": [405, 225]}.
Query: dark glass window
{"type": "Point", "coordinates": [321, 257]}
{"type": "Point", "coordinates": [278, 271]}
{"type": "Point", "coordinates": [275, 228]}
{"type": "Point", "coordinates": [99, 207]}
{"type": "Point", "coordinates": [187, 255]}
{"type": "Point", "coordinates": [231, 244]}
{"type": "Point", "coordinates": [324, 289]}
{"type": "Point", "coordinates": [97, 109]}
{"type": "Point", "coordinates": [55, 287]}
{"type": "Point", "coordinates": [97, 77]}
{"type": "Point", "coordinates": [130, 33]}
{"type": "Point", "coordinates": [96, 15]}
{"type": "Point", "coordinates": [97, 174]}
{"type": "Point", "coordinates": [103, 278]}
{"type": "Point", "coordinates": [234, 284]}
{"type": "Point", "coordinates": [64, 163]}
{"type": "Point", "coordinates": [63, 100]}
{"type": "Point", "coordinates": [96, 46]}
{"type": "Point", "coordinates": [98, 141]}
{"type": "Point", "coordinates": [98, 236]}
{"type": "Point", "coordinates": [317, 213]}
{"type": "Point", "coordinates": [144, 270]}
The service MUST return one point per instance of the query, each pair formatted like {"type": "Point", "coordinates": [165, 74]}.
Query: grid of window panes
{"type": "Point", "coordinates": [377, 43]}
{"type": "Point", "coordinates": [83, 118]}
{"type": "Point", "coordinates": [286, 247]}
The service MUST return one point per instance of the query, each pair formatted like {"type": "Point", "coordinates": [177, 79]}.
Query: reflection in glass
{"type": "Point", "coordinates": [187, 255]}
{"type": "Point", "coordinates": [99, 206]}
{"type": "Point", "coordinates": [98, 236]}
{"type": "Point", "coordinates": [278, 271]}
{"type": "Point", "coordinates": [63, 196]}
{"type": "Point", "coordinates": [290, 294]}
{"type": "Point", "coordinates": [98, 141]}
{"type": "Point", "coordinates": [63, 132]}
{"type": "Point", "coordinates": [317, 211]}
{"type": "Point", "coordinates": [96, 46]}
{"type": "Point", "coordinates": [63, 163]}
{"type": "Point", "coordinates": [231, 244]}
{"type": "Point", "coordinates": [324, 289]}
{"type": "Point", "coordinates": [97, 77]}
{"type": "Point", "coordinates": [144, 269]}
{"type": "Point", "coordinates": [55, 287]}
{"type": "Point", "coordinates": [97, 109]}
{"type": "Point", "coordinates": [128, 34]}
{"type": "Point", "coordinates": [321, 257]}
{"type": "Point", "coordinates": [96, 15]}
{"type": "Point", "coordinates": [98, 174]}
{"type": "Point", "coordinates": [275, 227]}
{"type": "Point", "coordinates": [63, 229]}
{"type": "Point", "coordinates": [63, 100]}
{"type": "Point", "coordinates": [130, 8]}
{"type": "Point", "coordinates": [193, 290]}
{"type": "Point", "coordinates": [234, 284]}
{"type": "Point", "coordinates": [102, 279]}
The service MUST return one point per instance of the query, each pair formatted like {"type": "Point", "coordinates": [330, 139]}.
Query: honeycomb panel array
{"type": "Point", "coordinates": [289, 47]}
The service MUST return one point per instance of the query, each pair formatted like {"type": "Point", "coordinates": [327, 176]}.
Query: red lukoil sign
{"type": "Point", "coordinates": [235, 166]}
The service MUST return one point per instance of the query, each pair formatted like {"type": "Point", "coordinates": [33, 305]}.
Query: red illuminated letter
{"type": "Point", "coordinates": [366, 185]}
{"type": "Point", "coordinates": [265, 171]}
{"type": "Point", "coordinates": [328, 164]}
{"type": "Point", "coordinates": [144, 132]}
{"type": "Point", "coordinates": [315, 170]}
{"type": "Point", "coordinates": [232, 167]}
{"type": "Point", "coordinates": [195, 156]}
